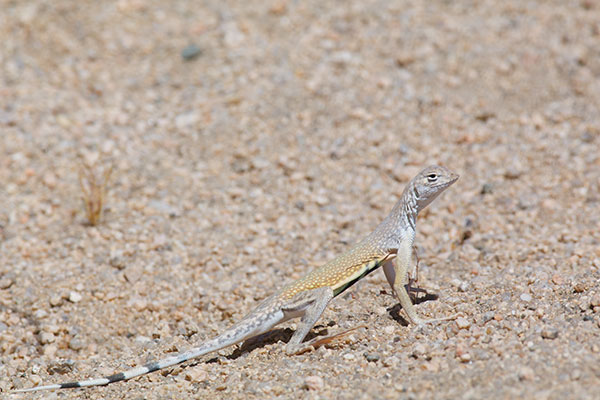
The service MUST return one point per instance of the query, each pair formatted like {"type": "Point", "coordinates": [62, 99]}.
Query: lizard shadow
{"type": "Point", "coordinates": [271, 337]}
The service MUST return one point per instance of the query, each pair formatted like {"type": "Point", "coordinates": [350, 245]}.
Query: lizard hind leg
{"type": "Point", "coordinates": [310, 305]}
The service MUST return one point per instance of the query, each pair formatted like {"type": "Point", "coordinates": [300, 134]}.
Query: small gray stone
{"type": "Point", "coordinates": [191, 52]}
{"type": "Point", "coordinates": [487, 188]}
{"type": "Point", "coordinates": [488, 316]}
{"type": "Point", "coordinates": [372, 357]}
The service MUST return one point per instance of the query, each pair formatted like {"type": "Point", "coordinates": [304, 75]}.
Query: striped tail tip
{"type": "Point", "coordinates": [72, 385]}
{"type": "Point", "coordinates": [35, 389]}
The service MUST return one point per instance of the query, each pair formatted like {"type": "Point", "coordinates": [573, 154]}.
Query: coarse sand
{"type": "Point", "coordinates": [251, 141]}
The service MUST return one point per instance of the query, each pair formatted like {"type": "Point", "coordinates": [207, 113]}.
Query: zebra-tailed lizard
{"type": "Point", "coordinates": [389, 246]}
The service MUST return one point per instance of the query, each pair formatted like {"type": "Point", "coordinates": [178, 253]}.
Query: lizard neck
{"type": "Point", "coordinates": [400, 224]}
{"type": "Point", "coordinates": [405, 211]}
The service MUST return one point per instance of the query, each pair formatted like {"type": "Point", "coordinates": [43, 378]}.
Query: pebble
{"type": "Point", "coordinates": [74, 297]}
{"type": "Point", "coordinates": [419, 350]}
{"type": "Point", "coordinates": [52, 328]}
{"type": "Point", "coordinates": [389, 330]}
{"type": "Point", "coordinates": [372, 357]}
{"type": "Point", "coordinates": [6, 282]}
{"type": "Point", "coordinates": [35, 380]}
{"type": "Point", "coordinates": [313, 382]}
{"type": "Point", "coordinates": [46, 337]}
{"type": "Point", "coordinates": [512, 173]}
{"type": "Point", "coordinates": [392, 361]}
{"type": "Point", "coordinates": [462, 323]}
{"type": "Point", "coordinates": [186, 120]}
{"type": "Point", "coordinates": [595, 301]}
{"type": "Point", "coordinates": [76, 344]}
{"type": "Point", "coordinates": [526, 374]}
{"type": "Point", "coordinates": [50, 350]}
{"type": "Point", "coordinates": [196, 374]}
{"type": "Point", "coordinates": [191, 52]}
{"type": "Point", "coordinates": [557, 279]}
{"type": "Point", "coordinates": [117, 262]}
{"type": "Point", "coordinates": [487, 188]}
{"type": "Point", "coordinates": [549, 332]}
{"type": "Point", "coordinates": [463, 286]}
{"type": "Point", "coordinates": [488, 316]}
{"type": "Point", "coordinates": [380, 311]}
{"type": "Point", "coordinates": [584, 303]}
{"type": "Point", "coordinates": [138, 304]}
{"type": "Point", "coordinates": [142, 340]}
{"type": "Point", "coordinates": [462, 354]}
{"type": "Point", "coordinates": [526, 297]}
{"type": "Point", "coordinates": [60, 367]}
{"type": "Point", "coordinates": [579, 287]}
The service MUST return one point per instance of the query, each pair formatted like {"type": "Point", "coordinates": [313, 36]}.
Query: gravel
{"type": "Point", "coordinates": [252, 141]}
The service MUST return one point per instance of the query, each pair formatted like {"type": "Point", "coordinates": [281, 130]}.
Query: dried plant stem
{"type": "Point", "coordinates": [93, 192]}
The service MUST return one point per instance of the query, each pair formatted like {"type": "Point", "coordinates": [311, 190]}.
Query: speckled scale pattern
{"type": "Point", "coordinates": [339, 270]}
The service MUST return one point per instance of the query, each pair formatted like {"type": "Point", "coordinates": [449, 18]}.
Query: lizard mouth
{"type": "Point", "coordinates": [448, 182]}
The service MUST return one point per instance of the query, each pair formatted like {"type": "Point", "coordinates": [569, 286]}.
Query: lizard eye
{"type": "Point", "coordinates": [432, 177]}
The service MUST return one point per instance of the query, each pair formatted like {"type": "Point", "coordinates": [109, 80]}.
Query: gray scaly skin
{"type": "Point", "coordinates": [389, 246]}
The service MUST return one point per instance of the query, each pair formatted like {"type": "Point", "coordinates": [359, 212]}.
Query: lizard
{"type": "Point", "coordinates": [389, 246]}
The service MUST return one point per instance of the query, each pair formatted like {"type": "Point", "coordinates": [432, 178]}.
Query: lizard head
{"type": "Point", "coordinates": [430, 182]}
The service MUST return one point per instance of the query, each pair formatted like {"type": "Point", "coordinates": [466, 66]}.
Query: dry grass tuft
{"type": "Point", "coordinates": [94, 185]}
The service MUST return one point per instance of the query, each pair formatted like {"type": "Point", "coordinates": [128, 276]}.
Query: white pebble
{"type": "Point", "coordinates": [74, 297]}
{"type": "Point", "coordinates": [526, 297]}
{"type": "Point", "coordinates": [463, 323]}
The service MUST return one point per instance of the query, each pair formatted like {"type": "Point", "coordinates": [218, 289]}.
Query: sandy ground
{"type": "Point", "coordinates": [287, 138]}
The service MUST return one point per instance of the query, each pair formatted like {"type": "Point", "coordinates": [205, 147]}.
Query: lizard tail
{"type": "Point", "coordinates": [222, 341]}
{"type": "Point", "coordinates": [253, 324]}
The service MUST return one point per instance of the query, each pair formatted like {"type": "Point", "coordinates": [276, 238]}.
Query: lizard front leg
{"type": "Point", "coordinates": [399, 279]}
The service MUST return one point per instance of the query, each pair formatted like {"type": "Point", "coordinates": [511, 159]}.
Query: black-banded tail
{"type": "Point", "coordinates": [132, 373]}
{"type": "Point", "coordinates": [255, 323]}
{"type": "Point", "coordinates": [215, 344]}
